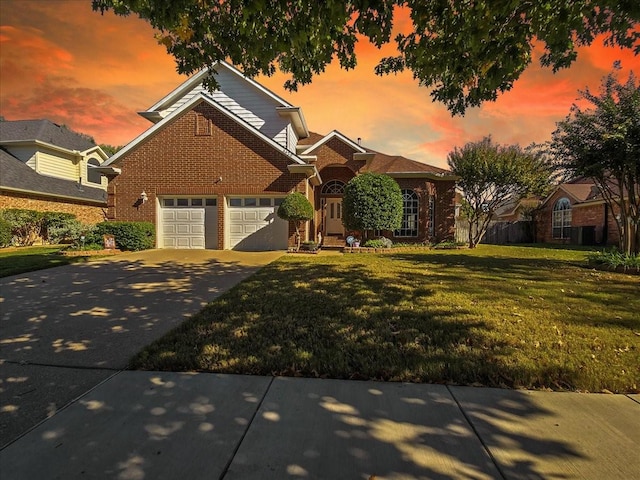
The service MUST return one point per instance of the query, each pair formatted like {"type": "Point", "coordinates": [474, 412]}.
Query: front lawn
{"type": "Point", "coordinates": [16, 260]}
{"type": "Point", "coordinates": [497, 315]}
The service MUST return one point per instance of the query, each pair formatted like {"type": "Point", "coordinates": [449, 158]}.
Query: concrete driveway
{"type": "Point", "coordinates": [67, 329]}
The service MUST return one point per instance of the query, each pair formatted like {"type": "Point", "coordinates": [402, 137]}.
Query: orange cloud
{"type": "Point", "coordinates": [93, 72]}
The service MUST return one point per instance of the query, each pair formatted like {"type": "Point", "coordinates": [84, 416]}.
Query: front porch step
{"type": "Point", "coordinates": [333, 241]}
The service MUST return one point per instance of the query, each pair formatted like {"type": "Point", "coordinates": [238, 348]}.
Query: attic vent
{"type": "Point", "coordinates": [203, 125]}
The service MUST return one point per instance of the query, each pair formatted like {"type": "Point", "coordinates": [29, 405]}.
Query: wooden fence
{"type": "Point", "coordinates": [499, 233]}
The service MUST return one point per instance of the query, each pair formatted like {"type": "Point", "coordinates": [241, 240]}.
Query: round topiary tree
{"type": "Point", "coordinates": [296, 208]}
{"type": "Point", "coordinates": [372, 202]}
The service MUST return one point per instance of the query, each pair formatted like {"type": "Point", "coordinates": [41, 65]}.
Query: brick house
{"type": "Point", "coordinates": [47, 167]}
{"type": "Point", "coordinates": [213, 169]}
{"type": "Point", "coordinates": [576, 213]}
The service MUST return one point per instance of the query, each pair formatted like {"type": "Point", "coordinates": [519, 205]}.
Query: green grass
{"type": "Point", "coordinates": [499, 316]}
{"type": "Point", "coordinates": [14, 261]}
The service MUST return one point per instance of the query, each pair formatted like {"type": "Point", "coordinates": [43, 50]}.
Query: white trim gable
{"type": "Point", "coordinates": [189, 106]}
{"type": "Point", "coordinates": [339, 136]}
{"type": "Point", "coordinates": [154, 113]}
{"type": "Point", "coordinates": [566, 192]}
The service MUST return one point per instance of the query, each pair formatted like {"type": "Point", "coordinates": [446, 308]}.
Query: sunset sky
{"type": "Point", "coordinates": [61, 61]}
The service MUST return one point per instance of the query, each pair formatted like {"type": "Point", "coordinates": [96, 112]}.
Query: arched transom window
{"type": "Point", "coordinates": [410, 207]}
{"type": "Point", "coordinates": [333, 187]}
{"type": "Point", "coordinates": [561, 221]}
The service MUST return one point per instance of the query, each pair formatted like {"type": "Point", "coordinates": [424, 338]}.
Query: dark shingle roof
{"type": "Point", "coordinates": [44, 131]}
{"type": "Point", "coordinates": [15, 175]}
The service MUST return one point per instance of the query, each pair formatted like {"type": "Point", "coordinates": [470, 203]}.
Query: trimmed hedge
{"type": "Point", "coordinates": [5, 233]}
{"type": "Point", "coordinates": [132, 236]}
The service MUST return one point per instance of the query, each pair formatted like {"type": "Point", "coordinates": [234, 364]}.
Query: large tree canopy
{"type": "Point", "coordinates": [491, 174]}
{"type": "Point", "coordinates": [465, 51]}
{"type": "Point", "coordinates": [603, 144]}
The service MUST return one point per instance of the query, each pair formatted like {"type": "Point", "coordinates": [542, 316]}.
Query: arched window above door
{"type": "Point", "coordinates": [333, 187]}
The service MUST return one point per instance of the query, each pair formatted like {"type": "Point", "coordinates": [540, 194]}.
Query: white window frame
{"type": "Point", "coordinates": [561, 219]}
{"type": "Point", "coordinates": [410, 215]}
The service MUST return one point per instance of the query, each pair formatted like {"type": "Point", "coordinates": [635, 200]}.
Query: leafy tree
{"type": "Point", "coordinates": [110, 149]}
{"type": "Point", "coordinates": [296, 208]}
{"type": "Point", "coordinates": [466, 51]}
{"type": "Point", "coordinates": [603, 144]}
{"type": "Point", "coordinates": [372, 202]}
{"type": "Point", "coordinates": [491, 174]}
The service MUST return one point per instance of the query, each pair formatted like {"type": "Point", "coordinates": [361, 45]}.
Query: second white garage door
{"type": "Point", "coordinates": [189, 223]}
{"type": "Point", "coordinates": [254, 225]}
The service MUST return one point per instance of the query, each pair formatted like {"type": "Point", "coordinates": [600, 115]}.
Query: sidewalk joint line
{"type": "Point", "coordinates": [53, 365]}
{"type": "Point", "coordinates": [64, 407]}
{"type": "Point", "coordinates": [244, 434]}
{"type": "Point", "coordinates": [484, 445]}
{"type": "Point", "coordinates": [631, 398]}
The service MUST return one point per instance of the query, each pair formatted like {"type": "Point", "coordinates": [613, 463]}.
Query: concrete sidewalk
{"type": "Point", "coordinates": [66, 329]}
{"type": "Point", "coordinates": [152, 425]}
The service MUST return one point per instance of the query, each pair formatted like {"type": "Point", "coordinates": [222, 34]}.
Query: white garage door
{"type": "Point", "coordinates": [188, 223]}
{"type": "Point", "coordinates": [254, 225]}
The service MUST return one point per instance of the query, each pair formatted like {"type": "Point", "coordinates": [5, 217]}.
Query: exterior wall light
{"type": "Point", "coordinates": [144, 197]}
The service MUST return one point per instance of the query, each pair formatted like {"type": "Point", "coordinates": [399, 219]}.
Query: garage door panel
{"type": "Point", "coordinates": [185, 227]}
{"type": "Point", "coordinates": [250, 216]}
{"type": "Point", "coordinates": [257, 228]}
{"type": "Point", "coordinates": [168, 215]}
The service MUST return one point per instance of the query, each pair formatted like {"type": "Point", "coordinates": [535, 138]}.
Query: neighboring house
{"type": "Point", "coordinates": [47, 167]}
{"type": "Point", "coordinates": [213, 169]}
{"type": "Point", "coordinates": [576, 213]}
{"type": "Point", "coordinates": [516, 210]}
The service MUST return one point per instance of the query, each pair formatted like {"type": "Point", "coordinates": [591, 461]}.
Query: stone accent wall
{"type": "Point", "coordinates": [178, 160]}
{"type": "Point", "coordinates": [89, 214]}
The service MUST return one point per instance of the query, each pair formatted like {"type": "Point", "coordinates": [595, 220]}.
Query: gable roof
{"type": "Point", "coordinates": [396, 164]}
{"type": "Point", "coordinates": [334, 134]}
{"type": "Point", "coordinates": [195, 80]}
{"type": "Point", "coordinates": [16, 176]}
{"type": "Point", "coordinates": [43, 131]}
{"type": "Point", "coordinates": [377, 162]}
{"type": "Point", "coordinates": [188, 106]}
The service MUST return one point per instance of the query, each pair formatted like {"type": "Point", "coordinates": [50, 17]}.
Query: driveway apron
{"type": "Point", "coordinates": [66, 329]}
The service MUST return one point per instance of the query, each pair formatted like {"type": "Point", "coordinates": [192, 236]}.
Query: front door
{"type": "Point", "coordinates": [334, 216]}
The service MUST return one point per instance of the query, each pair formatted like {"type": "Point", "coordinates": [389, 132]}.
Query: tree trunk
{"type": "Point", "coordinates": [297, 236]}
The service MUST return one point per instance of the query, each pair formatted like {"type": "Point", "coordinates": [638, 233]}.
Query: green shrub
{"type": "Point", "coordinates": [5, 233]}
{"type": "Point", "coordinates": [372, 202]}
{"type": "Point", "coordinates": [613, 259]}
{"type": "Point", "coordinates": [26, 225]}
{"type": "Point", "coordinates": [309, 246]}
{"type": "Point", "coordinates": [381, 242]}
{"type": "Point", "coordinates": [296, 208]}
{"type": "Point", "coordinates": [58, 227]}
{"type": "Point", "coordinates": [449, 244]}
{"type": "Point", "coordinates": [408, 244]}
{"type": "Point", "coordinates": [128, 235]}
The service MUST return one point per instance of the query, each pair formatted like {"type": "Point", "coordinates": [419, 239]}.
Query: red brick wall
{"type": "Point", "coordinates": [336, 152]}
{"type": "Point", "coordinates": [176, 161]}
{"type": "Point", "coordinates": [88, 214]}
{"type": "Point", "coordinates": [445, 210]}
